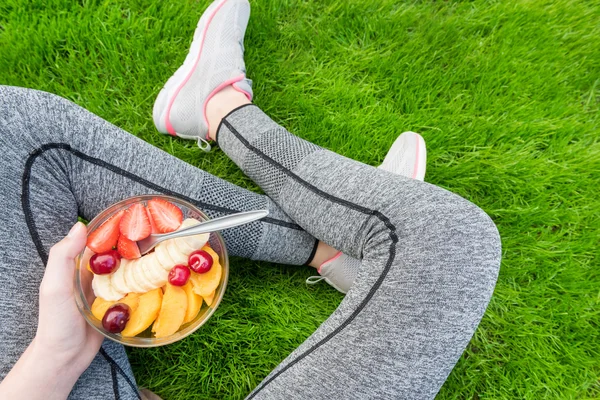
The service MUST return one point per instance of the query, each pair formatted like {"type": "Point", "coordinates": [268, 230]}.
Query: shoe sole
{"type": "Point", "coordinates": [167, 96]}
{"type": "Point", "coordinates": [421, 160]}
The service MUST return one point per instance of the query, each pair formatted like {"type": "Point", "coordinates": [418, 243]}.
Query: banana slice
{"type": "Point", "coordinates": [101, 284]}
{"type": "Point", "coordinates": [118, 277]}
{"type": "Point", "coordinates": [154, 270]}
{"type": "Point", "coordinates": [163, 257]}
{"type": "Point", "coordinates": [141, 277]}
{"type": "Point", "coordinates": [134, 279]}
{"type": "Point", "coordinates": [183, 246]}
{"type": "Point", "coordinates": [176, 255]}
{"type": "Point", "coordinates": [197, 241]}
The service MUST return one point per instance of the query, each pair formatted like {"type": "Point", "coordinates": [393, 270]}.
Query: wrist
{"type": "Point", "coordinates": [57, 371]}
{"type": "Point", "coordinates": [38, 376]}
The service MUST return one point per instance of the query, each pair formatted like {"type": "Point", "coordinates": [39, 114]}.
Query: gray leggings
{"type": "Point", "coordinates": [430, 258]}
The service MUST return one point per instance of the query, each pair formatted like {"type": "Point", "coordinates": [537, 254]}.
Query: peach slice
{"type": "Point", "coordinates": [205, 284]}
{"type": "Point", "coordinates": [100, 305]}
{"type": "Point", "coordinates": [194, 302]}
{"type": "Point", "coordinates": [145, 314]}
{"type": "Point", "coordinates": [210, 251]}
{"type": "Point", "coordinates": [172, 312]}
{"type": "Point", "coordinates": [210, 298]}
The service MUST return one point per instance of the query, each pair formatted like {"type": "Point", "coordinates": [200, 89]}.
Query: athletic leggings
{"type": "Point", "coordinates": [430, 258]}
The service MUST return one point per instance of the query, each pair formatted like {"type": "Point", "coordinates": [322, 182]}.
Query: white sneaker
{"type": "Point", "coordinates": [215, 60]}
{"type": "Point", "coordinates": [406, 157]}
{"type": "Point", "coordinates": [339, 272]}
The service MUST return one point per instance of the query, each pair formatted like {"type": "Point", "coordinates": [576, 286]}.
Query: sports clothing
{"type": "Point", "coordinates": [429, 264]}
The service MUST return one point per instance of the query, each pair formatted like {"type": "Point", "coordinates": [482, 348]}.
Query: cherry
{"type": "Point", "coordinates": [200, 261]}
{"type": "Point", "coordinates": [179, 275]}
{"type": "Point", "coordinates": [105, 263]}
{"type": "Point", "coordinates": [116, 317]}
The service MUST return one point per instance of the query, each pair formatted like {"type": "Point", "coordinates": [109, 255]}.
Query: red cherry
{"type": "Point", "coordinates": [116, 317]}
{"type": "Point", "coordinates": [105, 263]}
{"type": "Point", "coordinates": [200, 261]}
{"type": "Point", "coordinates": [179, 275]}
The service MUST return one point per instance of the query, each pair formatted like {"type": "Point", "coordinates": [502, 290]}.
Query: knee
{"type": "Point", "coordinates": [479, 236]}
{"type": "Point", "coordinates": [465, 240]}
{"type": "Point", "coordinates": [485, 230]}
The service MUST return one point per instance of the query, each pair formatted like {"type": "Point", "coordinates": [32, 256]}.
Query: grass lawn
{"type": "Point", "coordinates": [506, 94]}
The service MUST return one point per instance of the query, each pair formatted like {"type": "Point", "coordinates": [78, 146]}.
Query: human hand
{"type": "Point", "coordinates": [65, 344]}
{"type": "Point", "coordinates": [62, 330]}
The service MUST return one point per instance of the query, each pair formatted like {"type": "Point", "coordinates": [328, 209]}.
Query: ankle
{"type": "Point", "coordinates": [221, 104]}
{"type": "Point", "coordinates": [324, 253]}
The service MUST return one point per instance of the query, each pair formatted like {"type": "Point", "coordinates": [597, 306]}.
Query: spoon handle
{"type": "Point", "coordinates": [217, 224]}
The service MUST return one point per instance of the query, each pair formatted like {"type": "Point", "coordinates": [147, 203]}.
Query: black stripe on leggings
{"type": "Point", "coordinates": [113, 374]}
{"type": "Point", "coordinates": [114, 368]}
{"type": "Point", "coordinates": [227, 115]}
{"type": "Point", "coordinates": [312, 253]}
{"type": "Point", "coordinates": [25, 201]}
{"type": "Point", "coordinates": [392, 252]}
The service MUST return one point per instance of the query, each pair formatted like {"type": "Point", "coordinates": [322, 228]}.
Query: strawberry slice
{"type": "Point", "coordinates": [105, 237]}
{"type": "Point", "coordinates": [166, 215]}
{"type": "Point", "coordinates": [135, 224]}
{"type": "Point", "coordinates": [128, 248]}
{"type": "Point", "coordinates": [152, 224]}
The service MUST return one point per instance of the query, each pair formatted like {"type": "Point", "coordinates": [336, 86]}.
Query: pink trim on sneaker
{"type": "Point", "coordinates": [416, 167]}
{"type": "Point", "coordinates": [215, 91]}
{"type": "Point", "coordinates": [330, 260]}
{"type": "Point", "coordinates": [168, 125]}
{"type": "Point", "coordinates": [248, 95]}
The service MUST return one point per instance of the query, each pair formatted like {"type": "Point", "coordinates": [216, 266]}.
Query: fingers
{"type": "Point", "coordinates": [58, 278]}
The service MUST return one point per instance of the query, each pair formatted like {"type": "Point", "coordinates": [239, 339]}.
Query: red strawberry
{"type": "Point", "coordinates": [152, 224]}
{"type": "Point", "coordinates": [128, 248]}
{"type": "Point", "coordinates": [105, 237]}
{"type": "Point", "coordinates": [167, 216]}
{"type": "Point", "coordinates": [135, 224]}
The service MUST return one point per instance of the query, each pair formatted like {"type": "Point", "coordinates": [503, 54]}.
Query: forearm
{"type": "Point", "coordinates": [37, 375]}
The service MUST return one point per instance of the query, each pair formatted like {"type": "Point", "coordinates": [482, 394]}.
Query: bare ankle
{"type": "Point", "coordinates": [221, 104]}
{"type": "Point", "coordinates": [324, 252]}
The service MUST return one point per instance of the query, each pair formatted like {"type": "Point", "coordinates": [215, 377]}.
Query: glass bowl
{"type": "Point", "coordinates": [84, 295]}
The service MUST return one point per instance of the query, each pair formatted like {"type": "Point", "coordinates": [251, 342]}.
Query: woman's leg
{"type": "Point", "coordinates": [60, 161]}
{"type": "Point", "coordinates": [430, 260]}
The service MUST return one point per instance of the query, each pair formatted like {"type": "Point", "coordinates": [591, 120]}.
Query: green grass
{"type": "Point", "coordinates": [506, 94]}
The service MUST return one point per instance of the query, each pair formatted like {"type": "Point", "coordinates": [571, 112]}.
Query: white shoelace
{"type": "Point", "coordinates": [203, 144]}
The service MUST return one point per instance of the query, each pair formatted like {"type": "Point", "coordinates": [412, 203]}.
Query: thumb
{"type": "Point", "coordinates": [58, 277]}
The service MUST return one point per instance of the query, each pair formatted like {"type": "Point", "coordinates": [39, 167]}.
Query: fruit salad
{"type": "Point", "coordinates": [156, 294]}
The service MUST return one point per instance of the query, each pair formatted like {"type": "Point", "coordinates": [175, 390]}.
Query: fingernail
{"type": "Point", "coordinates": [74, 229]}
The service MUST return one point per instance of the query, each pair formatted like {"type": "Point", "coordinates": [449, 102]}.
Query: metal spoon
{"type": "Point", "coordinates": [217, 224]}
